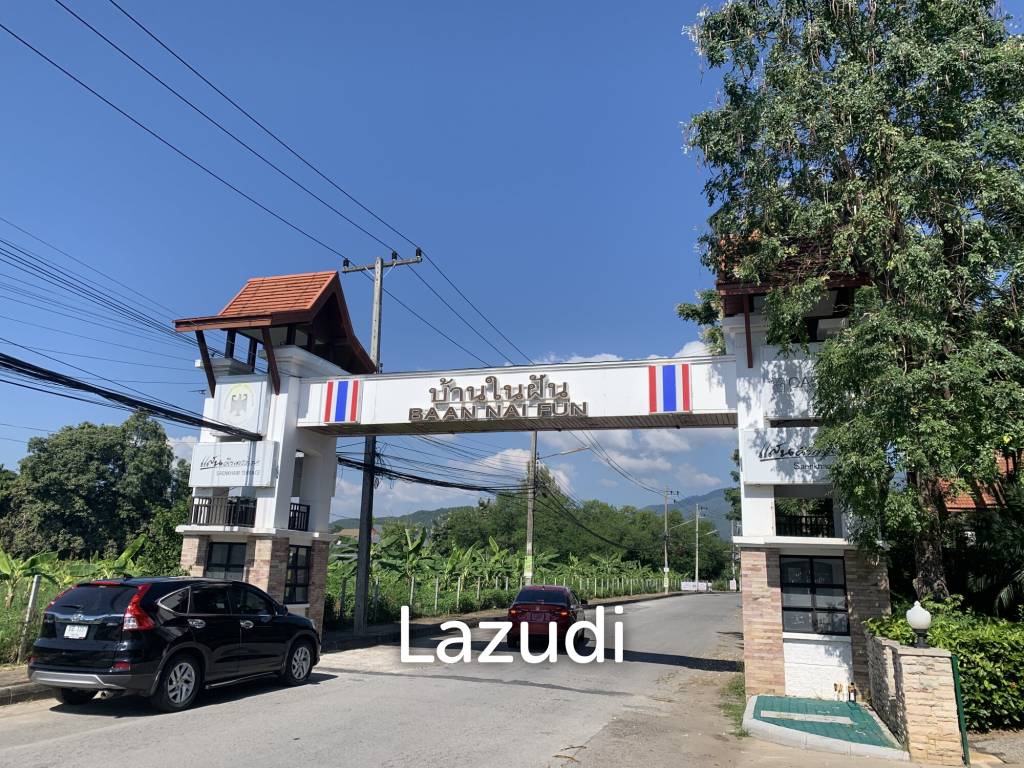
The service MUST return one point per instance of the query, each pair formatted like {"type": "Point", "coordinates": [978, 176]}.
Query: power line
{"type": "Point", "coordinates": [120, 400]}
{"type": "Point", "coordinates": [215, 123]}
{"type": "Point", "coordinates": [96, 357]}
{"type": "Point", "coordinates": [318, 172]}
{"type": "Point", "coordinates": [171, 146]}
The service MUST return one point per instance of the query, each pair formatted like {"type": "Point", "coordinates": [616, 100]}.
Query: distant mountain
{"type": "Point", "coordinates": [422, 517]}
{"type": "Point", "coordinates": [714, 508]}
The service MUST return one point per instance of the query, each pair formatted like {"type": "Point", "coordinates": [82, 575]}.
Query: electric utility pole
{"type": "Point", "coordinates": [531, 492]}
{"type": "Point", "coordinates": [370, 448]}
{"type": "Point", "coordinates": [696, 548]}
{"type": "Point", "coordinates": [665, 543]}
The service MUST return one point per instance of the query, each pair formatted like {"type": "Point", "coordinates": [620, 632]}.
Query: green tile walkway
{"type": "Point", "coordinates": [841, 720]}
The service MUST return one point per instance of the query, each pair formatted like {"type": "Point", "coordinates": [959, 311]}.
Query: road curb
{"type": "Point", "coordinates": [421, 629]}
{"type": "Point", "coordinates": [26, 691]}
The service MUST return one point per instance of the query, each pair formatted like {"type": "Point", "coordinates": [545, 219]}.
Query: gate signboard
{"type": "Point", "coordinates": [696, 391]}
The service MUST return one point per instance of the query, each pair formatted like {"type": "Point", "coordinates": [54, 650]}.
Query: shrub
{"type": "Point", "coordinates": [990, 653]}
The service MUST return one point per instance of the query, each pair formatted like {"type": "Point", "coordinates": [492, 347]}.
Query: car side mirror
{"type": "Point", "coordinates": [282, 610]}
{"type": "Point", "coordinates": [584, 602]}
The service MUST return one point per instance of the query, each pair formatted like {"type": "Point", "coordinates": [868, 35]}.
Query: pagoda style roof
{"type": "Point", "coordinates": [310, 309]}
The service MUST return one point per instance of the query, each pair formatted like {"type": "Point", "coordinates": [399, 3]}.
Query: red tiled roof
{"type": "Point", "coordinates": [312, 299]}
{"type": "Point", "coordinates": [281, 293]}
{"type": "Point", "coordinates": [981, 497]}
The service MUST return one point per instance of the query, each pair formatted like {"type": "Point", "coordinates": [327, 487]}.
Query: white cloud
{"type": "Point", "coordinates": [182, 446]}
{"type": "Point", "coordinates": [608, 482]}
{"type": "Point", "coordinates": [632, 463]}
{"type": "Point", "coordinates": [664, 440]}
{"type": "Point", "coordinates": [692, 348]}
{"type": "Point", "coordinates": [694, 479]}
{"type": "Point", "coordinates": [600, 357]}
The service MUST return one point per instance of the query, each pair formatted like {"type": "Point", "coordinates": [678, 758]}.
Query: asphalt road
{"type": "Point", "coordinates": [366, 708]}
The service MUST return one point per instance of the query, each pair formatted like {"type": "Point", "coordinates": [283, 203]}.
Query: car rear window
{"type": "Point", "coordinates": [549, 596]}
{"type": "Point", "coordinates": [94, 599]}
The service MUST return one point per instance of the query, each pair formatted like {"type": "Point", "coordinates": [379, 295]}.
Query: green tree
{"type": "Point", "coordinates": [880, 143]}
{"type": "Point", "coordinates": [88, 489]}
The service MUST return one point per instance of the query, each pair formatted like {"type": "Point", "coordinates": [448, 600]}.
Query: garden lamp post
{"type": "Point", "coordinates": [920, 620]}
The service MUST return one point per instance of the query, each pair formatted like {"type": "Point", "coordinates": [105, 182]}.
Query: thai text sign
{"type": "Point", "coordinates": [659, 392]}
{"type": "Point", "coordinates": [232, 464]}
{"type": "Point", "coordinates": [782, 457]}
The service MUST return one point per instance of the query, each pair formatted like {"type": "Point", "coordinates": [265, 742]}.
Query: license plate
{"type": "Point", "coordinates": [76, 631]}
{"type": "Point", "coordinates": [538, 617]}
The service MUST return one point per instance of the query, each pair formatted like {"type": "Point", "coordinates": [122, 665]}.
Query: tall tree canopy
{"type": "Point", "coordinates": [89, 489]}
{"type": "Point", "coordinates": [881, 141]}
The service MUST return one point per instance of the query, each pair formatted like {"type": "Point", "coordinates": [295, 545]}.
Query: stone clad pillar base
{"type": "Point", "coordinates": [763, 660]}
{"type": "Point", "coordinates": [193, 554]}
{"type": "Point", "coordinates": [318, 582]}
{"type": "Point", "coordinates": [269, 567]}
{"type": "Point", "coordinates": [867, 595]}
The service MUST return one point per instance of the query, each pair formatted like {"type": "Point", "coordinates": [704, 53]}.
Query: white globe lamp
{"type": "Point", "coordinates": [920, 621]}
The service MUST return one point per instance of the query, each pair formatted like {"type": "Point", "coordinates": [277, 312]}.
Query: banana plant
{"type": "Point", "coordinates": [15, 570]}
{"type": "Point", "coordinates": [408, 555]}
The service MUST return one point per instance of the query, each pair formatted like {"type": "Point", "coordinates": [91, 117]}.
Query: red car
{"type": "Point", "coordinates": [538, 606]}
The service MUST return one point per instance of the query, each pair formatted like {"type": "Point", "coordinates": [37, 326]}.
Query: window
{"type": "Point", "coordinates": [249, 602]}
{"type": "Point", "coordinates": [814, 595]}
{"type": "Point", "coordinates": [177, 602]}
{"type": "Point", "coordinates": [225, 561]}
{"type": "Point", "coordinates": [548, 596]}
{"type": "Point", "coordinates": [210, 599]}
{"type": "Point", "coordinates": [296, 586]}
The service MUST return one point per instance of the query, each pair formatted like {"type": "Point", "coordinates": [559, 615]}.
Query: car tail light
{"type": "Point", "coordinates": [121, 666]}
{"type": "Point", "coordinates": [134, 616]}
{"type": "Point", "coordinates": [513, 611]}
{"type": "Point", "coordinates": [32, 659]}
{"type": "Point", "coordinates": [563, 613]}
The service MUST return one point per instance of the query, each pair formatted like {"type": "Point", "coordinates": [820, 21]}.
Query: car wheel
{"type": "Point", "coordinates": [299, 665]}
{"type": "Point", "coordinates": [74, 696]}
{"type": "Point", "coordinates": [179, 684]}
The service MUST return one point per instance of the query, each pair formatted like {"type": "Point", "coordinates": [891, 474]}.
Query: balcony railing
{"type": "Point", "coordinates": [223, 510]}
{"type": "Point", "coordinates": [821, 526]}
{"type": "Point", "coordinates": [298, 517]}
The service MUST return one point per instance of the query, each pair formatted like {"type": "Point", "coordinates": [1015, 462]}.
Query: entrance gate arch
{"type": "Point", "coordinates": [271, 498]}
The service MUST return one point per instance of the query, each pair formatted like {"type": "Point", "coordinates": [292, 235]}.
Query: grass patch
{"type": "Point", "coordinates": [734, 703]}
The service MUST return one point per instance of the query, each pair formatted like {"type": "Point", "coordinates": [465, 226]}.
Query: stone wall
{"type": "Point", "coordinates": [912, 690]}
{"type": "Point", "coordinates": [867, 595]}
{"type": "Point", "coordinates": [193, 554]}
{"type": "Point", "coordinates": [763, 654]}
{"type": "Point", "coordinates": [270, 566]}
{"type": "Point", "coordinates": [318, 582]}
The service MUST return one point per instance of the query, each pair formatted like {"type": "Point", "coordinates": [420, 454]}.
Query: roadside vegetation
{"type": "Point", "coordinates": [409, 568]}
{"type": "Point", "coordinates": [734, 703]}
{"type": "Point", "coordinates": [990, 652]}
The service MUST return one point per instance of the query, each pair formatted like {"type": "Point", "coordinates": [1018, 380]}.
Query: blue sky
{"type": "Point", "coordinates": [534, 149]}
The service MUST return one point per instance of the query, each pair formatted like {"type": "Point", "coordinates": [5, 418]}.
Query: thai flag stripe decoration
{"type": "Point", "coordinates": [669, 387]}
{"type": "Point", "coordinates": [342, 401]}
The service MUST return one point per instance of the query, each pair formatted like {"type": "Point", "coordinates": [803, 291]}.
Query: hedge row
{"type": "Point", "coordinates": [991, 656]}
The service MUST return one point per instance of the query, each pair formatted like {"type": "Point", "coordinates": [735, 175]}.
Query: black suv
{"type": "Point", "coordinates": [167, 638]}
